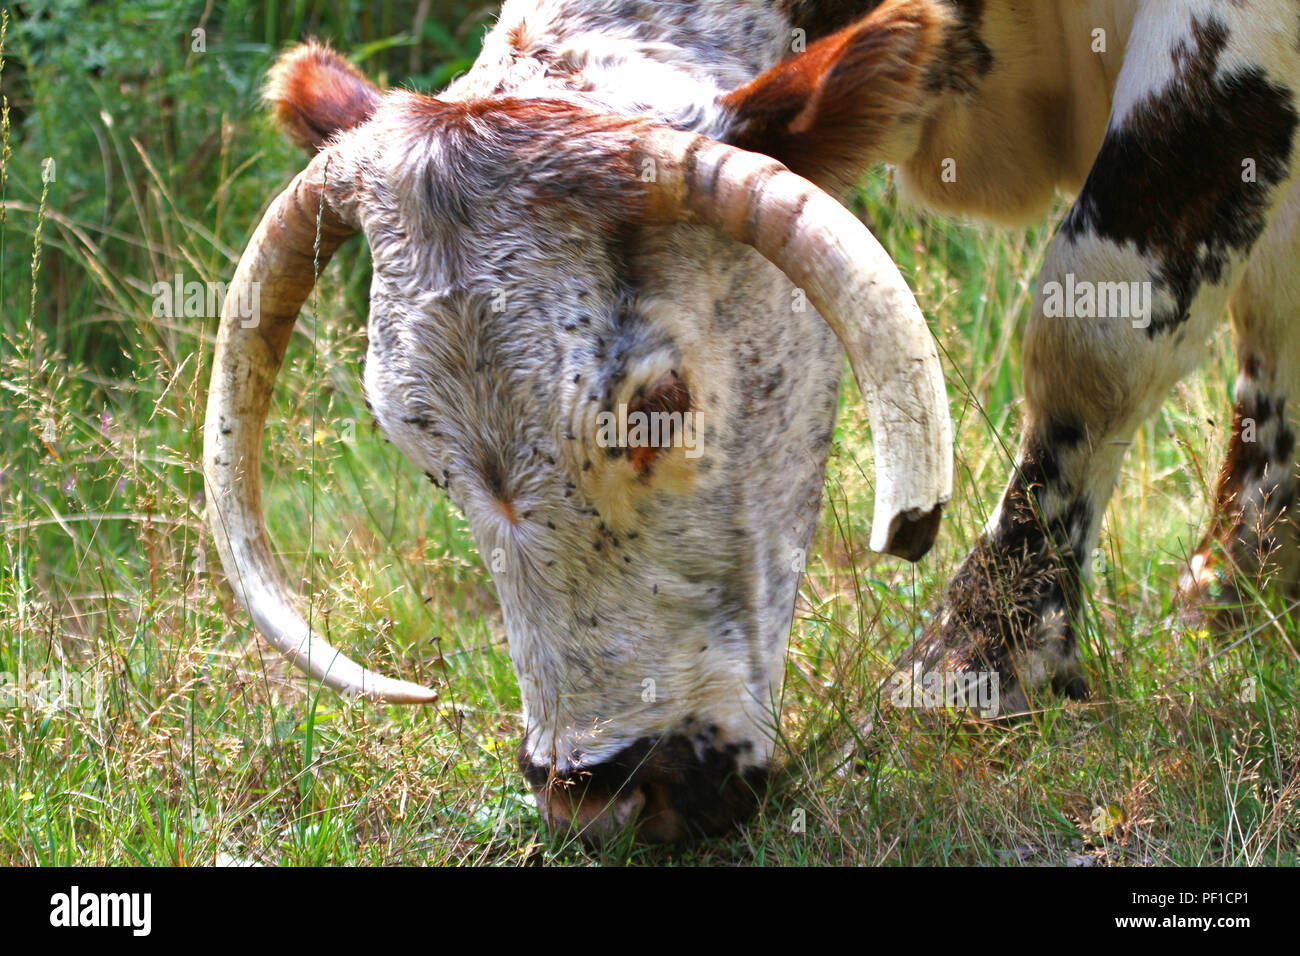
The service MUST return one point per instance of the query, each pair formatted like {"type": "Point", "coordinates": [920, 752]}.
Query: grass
{"type": "Point", "coordinates": [198, 746]}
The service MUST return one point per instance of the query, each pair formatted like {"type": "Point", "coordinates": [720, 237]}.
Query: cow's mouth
{"type": "Point", "coordinates": [660, 789]}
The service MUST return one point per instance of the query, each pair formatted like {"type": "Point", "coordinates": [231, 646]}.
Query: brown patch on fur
{"type": "Point", "coordinates": [825, 112]}
{"type": "Point", "coordinates": [1246, 461]}
{"type": "Point", "coordinates": [586, 155]}
{"type": "Point", "coordinates": [316, 93]}
{"type": "Point", "coordinates": [669, 395]}
{"type": "Point", "coordinates": [1245, 542]}
{"type": "Point", "coordinates": [540, 115]}
{"type": "Point", "coordinates": [507, 509]}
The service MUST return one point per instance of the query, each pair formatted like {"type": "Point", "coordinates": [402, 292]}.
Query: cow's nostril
{"type": "Point", "coordinates": [663, 789]}
{"type": "Point", "coordinates": [627, 808]}
{"type": "Point", "coordinates": [590, 814]}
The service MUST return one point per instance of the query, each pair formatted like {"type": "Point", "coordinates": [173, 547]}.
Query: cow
{"type": "Point", "coordinates": [621, 208]}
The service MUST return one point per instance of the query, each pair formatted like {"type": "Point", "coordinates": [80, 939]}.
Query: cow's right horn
{"type": "Point", "coordinates": [304, 226]}
{"type": "Point", "coordinates": [826, 251]}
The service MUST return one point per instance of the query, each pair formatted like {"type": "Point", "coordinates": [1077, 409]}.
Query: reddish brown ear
{"type": "Point", "coordinates": [316, 93]}
{"type": "Point", "coordinates": [826, 112]}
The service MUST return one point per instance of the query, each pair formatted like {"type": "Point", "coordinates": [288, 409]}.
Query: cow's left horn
{"type": "Point", "coordinates": [277, 271]}
{"type": "Point", "coordinates": [826, 251]}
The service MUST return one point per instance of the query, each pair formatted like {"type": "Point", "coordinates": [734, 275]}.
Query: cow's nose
{"type": "Point", "coordinates": [593, 816]}
{"type": "Point", "coordinates": [664, 789]}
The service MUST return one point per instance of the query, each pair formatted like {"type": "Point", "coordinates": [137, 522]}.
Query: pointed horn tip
{"type": "Point", "coordinates": [377, 689]}
{"type": "Point", "coordinates": [910, 534]}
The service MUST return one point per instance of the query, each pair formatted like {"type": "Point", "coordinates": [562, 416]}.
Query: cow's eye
{"type": "Point", "coordinates": [657, 419]}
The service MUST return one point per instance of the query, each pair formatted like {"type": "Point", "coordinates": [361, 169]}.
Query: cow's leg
{"type": "Point", "coordinates": [1254, 538]}
{"type": "Point", "coordinates": [1196, 156]}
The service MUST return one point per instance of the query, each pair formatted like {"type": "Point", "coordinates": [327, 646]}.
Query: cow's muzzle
{"type": "Point", "coordinates": [659, 790]}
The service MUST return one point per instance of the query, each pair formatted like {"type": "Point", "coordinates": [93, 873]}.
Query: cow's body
{"type": "Point", "coordinates": [1179, 141]}
{"type": "Point", "coordinates": [648, 609]}
{"type": "Point", "coordinates": [1022, 124]}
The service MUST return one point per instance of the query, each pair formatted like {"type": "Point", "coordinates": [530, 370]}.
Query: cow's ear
{"type": "Point", "coordinates": [316, 93]}
{"type": "Point", "coordinates": [829, 111]}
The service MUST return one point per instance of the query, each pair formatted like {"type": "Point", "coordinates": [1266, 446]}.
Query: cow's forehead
{"type": "Point", "coordinates": [439, 173]}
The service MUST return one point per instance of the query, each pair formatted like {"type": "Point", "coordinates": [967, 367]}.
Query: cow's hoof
{"type": "Point", "coordinates": [981, 670]}
{"type": "Point", "coordinates": [1210, 598]}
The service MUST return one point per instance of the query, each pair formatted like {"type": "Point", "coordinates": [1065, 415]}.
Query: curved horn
{"type": "Point", "coordinates": [277, 271]}
{"type": "Point", "coordinates": [826, 251]}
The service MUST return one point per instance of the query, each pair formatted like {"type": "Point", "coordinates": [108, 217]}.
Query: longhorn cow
{"type": "Point", "coordinates": [616, 212]}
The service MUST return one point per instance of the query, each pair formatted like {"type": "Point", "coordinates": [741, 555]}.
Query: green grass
{"type": "Point", "coordinates": [203, 747]}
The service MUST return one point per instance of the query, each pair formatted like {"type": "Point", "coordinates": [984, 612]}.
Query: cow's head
{"type": "Point", "coordinates": [547, 278]}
